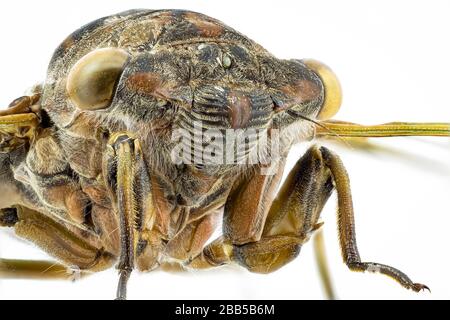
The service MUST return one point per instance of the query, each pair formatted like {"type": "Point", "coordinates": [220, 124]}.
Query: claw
{"type": "Point", "coordinates": [417, 287]}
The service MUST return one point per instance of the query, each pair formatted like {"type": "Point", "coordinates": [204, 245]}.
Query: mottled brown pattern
{"type": "Point", "coordinates": [175, 57]}
{"type": "Point", "coordinates": [137, 35]}
{"type": "Point", "coordinates": [300, 92]}
{"type": "Point", "coordinates": [86, 165]}
{"type": "Point", "coordinates": [205, 27]}
{"type": "Point", "coordinates": [148, 84]}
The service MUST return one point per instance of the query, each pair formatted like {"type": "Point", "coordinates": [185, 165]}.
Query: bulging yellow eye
{"type": "Point", "coordinates": [92, 80]}
{"type": "Point", "coordinates": [333, 92]}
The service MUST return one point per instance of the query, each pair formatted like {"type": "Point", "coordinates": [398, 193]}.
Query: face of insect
{"type": "Point", "coordinates": [201, 87]}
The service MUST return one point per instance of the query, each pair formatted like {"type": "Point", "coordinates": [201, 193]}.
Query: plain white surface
{"type": "Point", "coordinates": [393, 62]}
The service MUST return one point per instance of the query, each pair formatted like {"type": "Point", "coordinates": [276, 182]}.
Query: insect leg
{"type": "Point", "coordinates": [37, 269]}
{"type": "Point", "coordinates": [18, 123]}
{"type": "Point", "coordinates": [279, 226]}
{"type": "Point", "coordinates": [244, 215]}
{"type": "Point", "coordinates": [293, 218]}
{"type": "Point", "coordinates": [190, 242]}
{"type": "Point", "coordinates": [263, 234]}
{"type": "Point", "coordinates": [346, 225]}
{"type": "Point", "coordinates": [124, 173]}
{"type": "Point", "coordinates": [17, 130]}
{"type": "Point", "coordinates": [55, 238]}
{"type": "Point", "coordinates": [322, 264]}
{"type": "Point", "coordinates": [24, 104]}
{"type": "Point", "coordinates": [217, 253]}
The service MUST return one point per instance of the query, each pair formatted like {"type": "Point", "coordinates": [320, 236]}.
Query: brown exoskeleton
{"type": "Point", "coordinates": [88, 170]}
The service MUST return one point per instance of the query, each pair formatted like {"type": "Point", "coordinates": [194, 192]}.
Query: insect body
{"type": "Point", "coordinates": [151, 127]}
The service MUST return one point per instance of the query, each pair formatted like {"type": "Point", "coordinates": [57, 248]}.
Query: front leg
{"type": "Point", "coordinates": [293, 217]}
{"type": "Point", "coordinates": [129, 184]}
{"type": "Point", "coordinates": [347, 236]}
{"type": "Point", "coordinates": [79, 251]}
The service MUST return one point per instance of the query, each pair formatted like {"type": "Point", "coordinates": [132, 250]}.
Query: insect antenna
{"type": "Point", "coordinates": [324, 128]}
{"type": "Point", "coordinates": [392, 129]}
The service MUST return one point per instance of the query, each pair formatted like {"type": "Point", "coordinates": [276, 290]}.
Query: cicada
{"type": "Point", "coordinates": [154, 126]}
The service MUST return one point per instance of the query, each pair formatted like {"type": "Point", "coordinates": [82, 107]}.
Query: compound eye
{"type": "Point", "coordinates": [333, 92]}
{"type": "Point", "coordinates": [93, 79]}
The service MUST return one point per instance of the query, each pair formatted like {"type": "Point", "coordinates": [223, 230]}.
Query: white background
{"type": "Point", "coordinates": [393, 62]}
